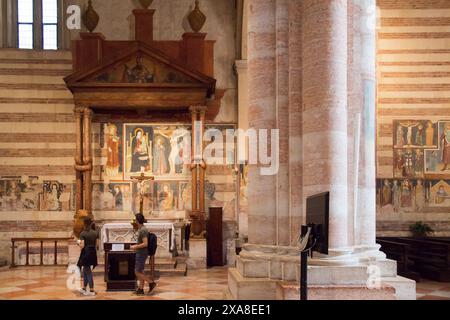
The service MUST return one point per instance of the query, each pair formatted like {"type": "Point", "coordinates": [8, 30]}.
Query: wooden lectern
{"type": "Point", "coordinates": [119, 267]}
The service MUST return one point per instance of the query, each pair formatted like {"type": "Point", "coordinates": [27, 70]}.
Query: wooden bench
{"type": "Point", "coordinates": [430, 257]}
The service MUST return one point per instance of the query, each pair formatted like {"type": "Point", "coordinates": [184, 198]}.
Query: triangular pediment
{"type": "Point", "coordinates": [141, 65]}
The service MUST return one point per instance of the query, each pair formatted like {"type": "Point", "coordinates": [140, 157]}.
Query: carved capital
{"type": "Point", "coordinates": [87, 112]}
{"type": "Point", "coordinates": [198, 109]}
{"type": "Point", "coordinates": [78, 111]}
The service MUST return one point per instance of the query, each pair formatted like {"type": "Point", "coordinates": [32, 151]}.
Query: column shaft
{"type": "Point", "coordinates": [325, 109]}
{"type": "Point", "coordinates": [79, 159]}
{"type": "Point", "coordinates": [366, 218]}
{"type": "Point", "coordinates": [87, 159]}
{"type": "Point", "coordinates": [194, 166]}
{"type": "Point", "coordinates": [262, 60]}
{"type": "Point", "coordinates": [202, 167]}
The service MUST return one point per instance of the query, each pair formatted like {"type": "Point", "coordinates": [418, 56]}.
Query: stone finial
{"type": "Point", "coordinates": [196, 18]}
{"type": "Point", "coordinates": [90, 17]}
{"type": "Point", "coordinates": [145, 3]}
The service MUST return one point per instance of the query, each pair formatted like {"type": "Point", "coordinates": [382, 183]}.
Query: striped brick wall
{"type": "Point", "coordinates": [36, 137]}
{"type": "Point", "coordinates": [413, 84]}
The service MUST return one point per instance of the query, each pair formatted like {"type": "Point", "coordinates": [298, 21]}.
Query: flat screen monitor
{"type": "Point", "coordinates": [317, 214]}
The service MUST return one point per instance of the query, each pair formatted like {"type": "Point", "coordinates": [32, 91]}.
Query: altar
{"type": "Point", "coordinates": [170, 235]}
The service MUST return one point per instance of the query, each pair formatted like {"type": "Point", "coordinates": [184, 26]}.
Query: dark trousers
{"type": "Point", "coordinates": [88, 278]}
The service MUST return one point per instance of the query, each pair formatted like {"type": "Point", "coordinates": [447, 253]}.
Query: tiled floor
{"type": "Point", "coordinates": [50, 283]}
{"type": "Point", "coordinates": [430, 290]}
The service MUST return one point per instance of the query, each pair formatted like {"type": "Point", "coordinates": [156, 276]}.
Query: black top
{"type": "Point", "coordinates": [90, 238]}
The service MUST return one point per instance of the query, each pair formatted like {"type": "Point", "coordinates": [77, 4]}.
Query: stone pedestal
{"type": "Point", "coordinates": [73, 252]}
{"type": "Point", "coordinates": [197, 254]}
{"type": "Point", "coordinates": [273, 272]}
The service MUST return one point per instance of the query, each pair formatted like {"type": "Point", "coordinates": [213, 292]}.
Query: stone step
{"type": "Point", "coordinates": [291, 291]}
{"type": "Point", "coordinates": [405, 289]}
{"type": "Point", "coordinates": [162, 268]}
{"type": "Point", "coordinates": [250, 288]}
{"type": "Point", "coordinates": [290, 271]}
{"type": "Point", "coordinates": [166, 265]}
{"type": "Point", "coordinates": [179, 271]}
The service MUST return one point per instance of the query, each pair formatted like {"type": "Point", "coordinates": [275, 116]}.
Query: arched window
{"type": "Point", "coordinates": [35, 24]}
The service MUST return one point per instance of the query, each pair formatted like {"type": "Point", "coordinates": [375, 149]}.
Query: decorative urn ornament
{"type": "Point", "coordinates": [145, 3]}
{"type": "Point", "coordinates": [196, 18]}
{"type": "Point", "coordinates": [90, 18]}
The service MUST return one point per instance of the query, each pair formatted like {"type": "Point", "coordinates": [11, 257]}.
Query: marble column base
{"type": "Point", "coordinates": [260, 269]}
{"type": "Point", "coordinates": [197, 254]}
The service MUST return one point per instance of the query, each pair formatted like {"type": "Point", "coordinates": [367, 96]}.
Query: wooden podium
{"type": "Point", "coordinates": [119, 267]}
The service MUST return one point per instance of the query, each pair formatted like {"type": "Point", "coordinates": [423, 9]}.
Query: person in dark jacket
{"type": "Point", "coordinates": [88, 243]}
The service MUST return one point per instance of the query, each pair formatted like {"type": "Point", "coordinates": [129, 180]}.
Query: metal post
{"type": "Point", "coordinates": [13, 248]}
{"type": "Point", "coordinates": [304, 276]}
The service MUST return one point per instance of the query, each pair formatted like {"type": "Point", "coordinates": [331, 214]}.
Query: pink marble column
{"type": "Point", "coordinates": [262, 61]}
{"type": "Point", "coordinates": [282, 108]}
{"type": "Point", "coordinates": [365, 224]}
{"type": "Point", "coordinates": [325, 109]}
{"type": "Point", "coordinates": [355, 96]}
{"type": "Point", "coordinates": [295, 119]}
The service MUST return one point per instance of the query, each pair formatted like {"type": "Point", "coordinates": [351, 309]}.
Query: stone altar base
{"type": "Point", "coordinates": [73, 252]}
{"type": "Point", "coordinates": [269, 273]}
{"type": "Point", "coordinates": [197, 254]}
{"type": "Point", "coordinates": [291, 291]}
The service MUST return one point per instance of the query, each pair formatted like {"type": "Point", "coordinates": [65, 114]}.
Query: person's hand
{"type": "Point", "coordinates": [133, 248]}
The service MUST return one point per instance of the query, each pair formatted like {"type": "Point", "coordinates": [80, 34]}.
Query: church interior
{"type": "Point", "coordinates": [221, 121]}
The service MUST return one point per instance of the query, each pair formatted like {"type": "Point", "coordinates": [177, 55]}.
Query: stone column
{"type": "Point", "coordinates": [295, 147]}
{"type": "Point", "coordinates": [202, 166]}
{"type": "Point", "coordinates": [262, 115]}
{"type": "Point", "coordinates": [325, 111]}
{"type": "Point", "coordinates": [87, 159]}
{"type": "Point", "coordinates": [78, 112]}
{"type": "Point", "coordinates": [365, 229]}
{"type": "Point", "coordinates": [194, 164]}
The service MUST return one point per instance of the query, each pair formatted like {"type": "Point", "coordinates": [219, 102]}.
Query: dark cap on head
{"type": "Point", "coordinates": [140, 218]}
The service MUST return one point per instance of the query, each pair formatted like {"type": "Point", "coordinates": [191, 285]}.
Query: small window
{"type": "Point", "coordinates": [37, 24]}
{"type": "Point", "coordinates": [50, 24]}
{"type": "Point", "coordinates": [25, 19]}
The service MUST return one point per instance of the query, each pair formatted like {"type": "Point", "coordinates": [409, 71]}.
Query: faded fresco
{"type": "Point", "coordinates": [111, 141]}
{"type": "Point", "coordinates": [421, 149]}
{"type": "Point", "coordinates": [127, 150]}
{"type": "Point", "coordinates": [142, 69]}
{"type": "Point", "coordinates": [412, 195]}
{"type": "Point", "coordinates": [156, 150]}
{"type": "Point", "coordinates": [115, 196]}
{"type": "Point", "coordinates": [421, 169]}
{"type": "Point", "coordinates": [29, 194]}
{"type": "Point", "coordinates": [438, 160]}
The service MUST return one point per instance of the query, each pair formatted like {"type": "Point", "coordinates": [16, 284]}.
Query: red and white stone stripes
{"type": "Point", "coordinates": [325, 109]}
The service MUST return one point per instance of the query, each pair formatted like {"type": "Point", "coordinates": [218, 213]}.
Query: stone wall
{"type": "Point", "coordinates": [412, 110]}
